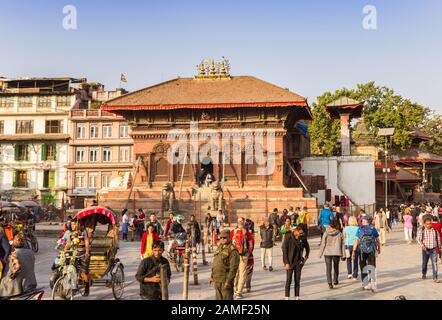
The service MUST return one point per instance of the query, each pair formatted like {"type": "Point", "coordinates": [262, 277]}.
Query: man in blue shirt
{"type": "Point", "coordinates": [324, 219]}
{"type": "Point", "coordinates": [368, 244]}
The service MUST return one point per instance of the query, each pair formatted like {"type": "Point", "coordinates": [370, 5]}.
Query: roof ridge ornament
{"type": "Point", "coordinates": [210, 69]}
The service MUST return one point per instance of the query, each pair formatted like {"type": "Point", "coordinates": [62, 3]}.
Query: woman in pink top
{"type": "Point", "coordinates": [408, 227]}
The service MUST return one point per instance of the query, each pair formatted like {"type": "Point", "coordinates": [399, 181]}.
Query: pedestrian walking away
{"type": "Point", "coordinates": [408, 226]}
{"type": "Point", "coordinates": [349, 237]}
{"type": "Point", "coordinates": [333, 249]}
{"type": "Point", "coordinates": [368, 243]}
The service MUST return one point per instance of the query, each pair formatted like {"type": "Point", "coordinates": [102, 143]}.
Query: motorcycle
{"type": "Point", "coordinates": [179, 250]}
{"type": "Point", "coordinates": [34, 294]}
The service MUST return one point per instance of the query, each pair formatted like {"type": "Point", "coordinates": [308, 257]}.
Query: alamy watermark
{"type": "Point", "coordinates": [70, 17]}
{"type": "Point", "coordinates": [204, 146]}
{"type": "Point", "coordinates": [370, 20]}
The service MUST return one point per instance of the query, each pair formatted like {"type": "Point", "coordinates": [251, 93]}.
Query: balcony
{"type": "Point", "coordinates": [91, 113]}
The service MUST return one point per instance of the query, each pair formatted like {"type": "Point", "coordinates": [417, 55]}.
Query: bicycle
{"type": "Point", "coordinates": [69, 283]}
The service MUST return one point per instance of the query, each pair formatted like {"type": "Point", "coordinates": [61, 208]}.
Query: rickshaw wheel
{"type": "Point", "coordinates": [34, 243]}
{"type": "Point", "coordinates": [58, 290]}
{"type": "Point", "coordinates": [118, 283]}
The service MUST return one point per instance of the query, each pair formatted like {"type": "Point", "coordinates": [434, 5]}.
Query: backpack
{"type": "Point", "coordinates": [367, 240]}
{"type": "Point", "coordinates": [243, 246]}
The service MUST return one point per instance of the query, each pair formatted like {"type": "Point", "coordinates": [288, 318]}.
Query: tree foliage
{"type": "Point", "coordinates": [383, 108]}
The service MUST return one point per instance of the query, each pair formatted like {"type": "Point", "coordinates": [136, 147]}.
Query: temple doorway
{"type": "Point", "coordinates": [205, 169]}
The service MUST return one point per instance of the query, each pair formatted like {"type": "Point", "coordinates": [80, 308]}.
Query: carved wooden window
{"type": "Point", "coordinates": [161, 169]}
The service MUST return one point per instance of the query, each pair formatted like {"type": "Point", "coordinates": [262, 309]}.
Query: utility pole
{"type": "Point", "coordinates": [186, 273]}
{"type": "Point", "coordinates": [386, 132]}
{"type": "Point", "coordinates": [164, 283]}
{"type": "Point", "coordinates": [424, 180]}
{"type": "Point", "coordinates": [386, 170]}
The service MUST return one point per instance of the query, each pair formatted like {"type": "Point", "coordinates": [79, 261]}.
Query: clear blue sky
{"type": "Point", "coordinates": [309, 46]}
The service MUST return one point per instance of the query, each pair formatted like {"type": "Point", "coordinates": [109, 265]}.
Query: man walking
{"type": "Point", "coordinates": [367, 242]}
{"type": "Point", "coordinates": [293, 257]}
{"type": "Point", "coordinates": [158, 228]}
{"type": "Point", "coordinates": [267, 242]}
{"type": "Point", "coordinates": [148, 273]}
{"type": "Point", "coordinates": [381, 224]}
{"type": "Point", "coordinates": [243, 242]}
{"type": "Point", "coordinates": [324, 219]}
{"type": "Point", "coordinates": [224, 267]}
{"type": "Point", "coordinates": [429, 240]}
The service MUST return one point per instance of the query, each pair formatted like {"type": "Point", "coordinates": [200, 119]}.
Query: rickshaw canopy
{"type": "Point", "coordinates": [100, 211]}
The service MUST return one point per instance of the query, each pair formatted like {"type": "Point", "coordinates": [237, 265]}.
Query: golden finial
{"type": "Point", "coordinates": [212, 69]}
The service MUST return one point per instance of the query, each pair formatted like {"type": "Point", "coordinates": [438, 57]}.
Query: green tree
{"type": "Point", "coordinates": [432, 126]}
{"type": "Point", "coordinates": [382, 109]}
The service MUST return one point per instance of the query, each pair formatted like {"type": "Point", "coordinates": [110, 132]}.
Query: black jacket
{"type": "Point", "coordinates": [293, 250]}
{"type": "Point", "coordinates": [267, 237]}
{"type": "Point", "coordinates": [150, 267]}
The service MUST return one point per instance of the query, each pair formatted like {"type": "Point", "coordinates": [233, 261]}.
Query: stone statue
{"type": "Point", "coordinates": [168, 196]}
{"type": "Point", "coordinates": [216, 196]}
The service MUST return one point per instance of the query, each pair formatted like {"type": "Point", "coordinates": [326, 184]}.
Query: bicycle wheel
{"type": "Point", "coordinates": [34, 243]}
{"type": "Point", "coordinates": [118, 283]}
{"type": "Point", "coordinates": [59, 292]}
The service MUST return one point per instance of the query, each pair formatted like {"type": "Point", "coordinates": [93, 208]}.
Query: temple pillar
{"type": "Point", "coordinates": [345, 134]}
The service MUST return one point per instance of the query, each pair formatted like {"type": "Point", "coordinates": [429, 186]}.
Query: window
{"type": "Point", "coordinates": [106, 179]}
{"type": "Point", "coordinates": [24, 126]}
{"type": "Point", "coordinates": [49, 179]}
{"type": "Point", "coordinates": [63, 102]}
{"type": "Point", "coordinates": [2, 127]}
{"type": "Point", "coordinates": [48, 152]}
{"type": "Point", "coordinates": [25, 102]}
{"type": "Point", "coordinates": [81, 131]}
{"type": "Point", "coordinates": [107, 154]}
{"type": "Point", "coordinates": [107, 131]}
{"type": "Point", "coordinates": [21, 152]}
{"type": "Point", "coordinates": [20, 179]}
{"type": "Point", "coordinates": [80, 155]}
{"type": "Point", "coordinates": [93, 155]}
{"type": "Point", "coordinates": [93, 180]}
{"type": "Point", "coordinates": [54, 126]}
{"type": "Point", "coordinates": [79, 180]}
{"type": "Point", "coordinates": [94, 130]}
{"type": "Point", "coordinates": [124, 154]}
{"type": "Point", "coordinates": [6, 102]}
{"type": "Point", "coordinates": [124, 131]}
{"type": "Point", "coordinates": [44, 102]}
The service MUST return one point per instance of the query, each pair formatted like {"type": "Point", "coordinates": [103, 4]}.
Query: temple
{"type": "Point", "coordinates": [244, 133]}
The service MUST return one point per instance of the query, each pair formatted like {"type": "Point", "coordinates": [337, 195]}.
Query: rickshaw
{"type": "Point", "coordinates": [105, 269]}
{"type": "Point", "coordinates": [15, 220]}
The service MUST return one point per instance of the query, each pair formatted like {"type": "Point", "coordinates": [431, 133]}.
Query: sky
{"type": "Point", "coordinates": [308, 46]}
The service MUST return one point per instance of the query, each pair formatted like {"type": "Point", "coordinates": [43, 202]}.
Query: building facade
{"type": "Point", "coordinates": [100, 152]}
{"type": "Point", "coordinates": [34, 137]}
{"type": "Point", "coordinates": [254, 116]}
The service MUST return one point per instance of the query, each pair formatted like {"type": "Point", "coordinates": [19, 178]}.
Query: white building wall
{"type": "Point", "coordinates": [351, 176]}
{"type": "Point", "coordinates": [34, 166]}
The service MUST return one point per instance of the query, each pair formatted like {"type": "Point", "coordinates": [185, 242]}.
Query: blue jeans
{"type": "Point", "coordinates": [352, 265]}
{"type": "Point", "coordinates": [427, 255]}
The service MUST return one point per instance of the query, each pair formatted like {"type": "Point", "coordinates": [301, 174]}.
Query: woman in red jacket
{"type": "Point", "coordinates": [149, 237]}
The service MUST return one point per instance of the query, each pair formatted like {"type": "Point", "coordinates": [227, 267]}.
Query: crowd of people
{"type": "Point", "coordinates": [356, 239]}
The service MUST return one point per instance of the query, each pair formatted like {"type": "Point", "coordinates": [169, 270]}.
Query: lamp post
{"type": "Point", "coordinates": [386, 171]}
{"type": "Point", "coordinates": [386, 132]}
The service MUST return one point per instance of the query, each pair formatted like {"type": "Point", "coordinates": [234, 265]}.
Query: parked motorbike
{"type": "Point", "coordinates": [34, 294]}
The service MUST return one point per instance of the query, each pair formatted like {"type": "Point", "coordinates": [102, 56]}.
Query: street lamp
{"type": "Point", "coordinates": [386, 132]}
